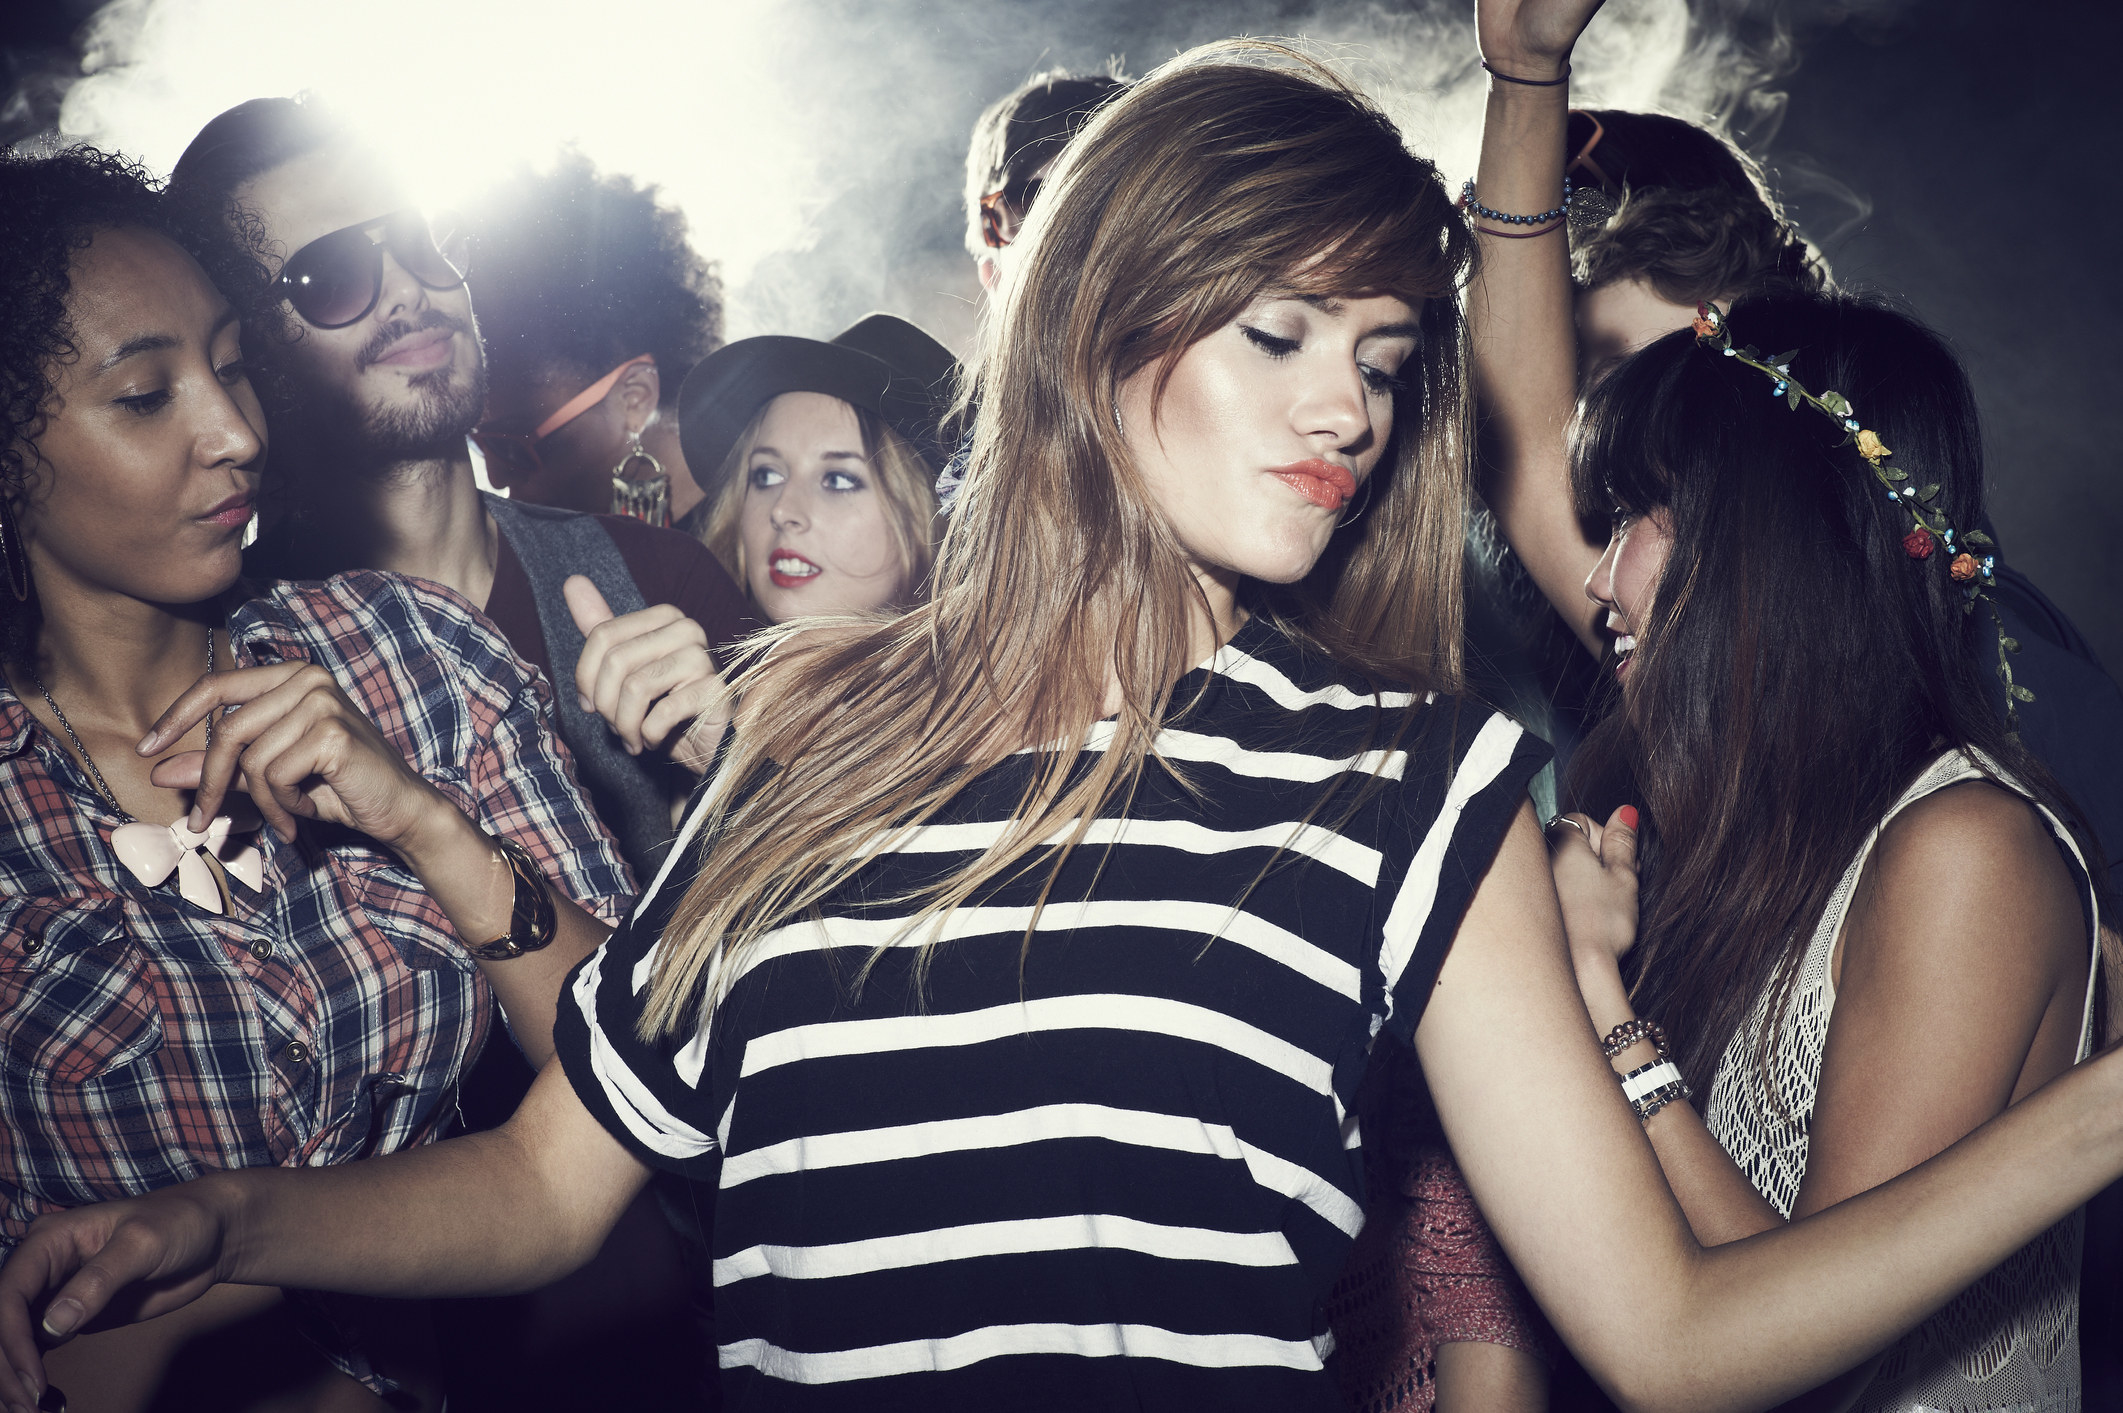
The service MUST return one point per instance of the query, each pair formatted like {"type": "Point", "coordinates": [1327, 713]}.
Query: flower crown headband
{"type": "Point", "coordinates": [1976, 575]}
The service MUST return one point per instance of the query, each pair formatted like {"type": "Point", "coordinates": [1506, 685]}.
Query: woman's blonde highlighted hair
{"type": "Point", "coordinates": [1233, 169]}
{"type": "Point", "coordinates": [904, 478]}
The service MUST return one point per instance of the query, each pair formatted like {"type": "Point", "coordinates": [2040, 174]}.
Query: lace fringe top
{"type": "Point", "coordinates": [2010, 1341]}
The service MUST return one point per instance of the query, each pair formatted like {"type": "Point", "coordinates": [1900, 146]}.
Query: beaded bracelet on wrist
{"type": "Point", "coordinates": [1629, 1033]}
{"type": "Point", "coordinates": [1490, 214]}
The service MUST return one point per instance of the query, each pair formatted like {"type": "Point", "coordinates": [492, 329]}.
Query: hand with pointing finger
{"type": "Point", "coordinates": [650, 676]}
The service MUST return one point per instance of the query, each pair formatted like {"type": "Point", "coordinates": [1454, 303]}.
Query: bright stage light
{"type": "Point", "coordinates": [700, 98]}
{"type": "Point", "coordinates": [790, 128]}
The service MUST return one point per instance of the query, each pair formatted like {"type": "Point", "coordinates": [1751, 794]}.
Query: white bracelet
{"type": "Point", "coordinates": [1656, 1075]}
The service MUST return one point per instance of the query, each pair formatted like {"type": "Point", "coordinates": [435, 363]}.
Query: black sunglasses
{"type": "Point", "coordinates": [336, 279]}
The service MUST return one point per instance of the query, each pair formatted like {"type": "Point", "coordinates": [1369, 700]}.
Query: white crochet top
{"type": "Point", "coordinates": [2010, 1341]}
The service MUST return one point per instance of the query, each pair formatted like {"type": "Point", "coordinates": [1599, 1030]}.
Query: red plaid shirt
{"type": "Point", "coordinates": [145, 1041]}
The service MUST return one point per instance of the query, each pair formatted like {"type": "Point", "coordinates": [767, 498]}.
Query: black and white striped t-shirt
{"type": "Point", "coordinates": [1126, 1174]}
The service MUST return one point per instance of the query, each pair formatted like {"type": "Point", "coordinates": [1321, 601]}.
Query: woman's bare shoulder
{"type": "Point", "coordinates": [1970, 870]}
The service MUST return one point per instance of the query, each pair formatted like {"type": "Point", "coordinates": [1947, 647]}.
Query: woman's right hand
{"type": "Point", "coordinates": [113, 1263]}
{"type": "Point", "coordinates": [1595, 880]}
{"type": "Point", "coordinates": [1531, 38]}
{"type": "Point", "coordinates": [650, 675]}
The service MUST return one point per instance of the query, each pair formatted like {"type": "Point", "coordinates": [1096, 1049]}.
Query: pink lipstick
{"type": "Point", "coordinates": [234, 511]}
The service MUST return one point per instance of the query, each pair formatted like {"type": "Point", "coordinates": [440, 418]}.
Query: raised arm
{"type": "Point", "coordinates": [1519, 310]}
{"type": "Point", "coordinates": [1571, 1188]}
{"type": "Point", "coordinates": [510, 1209]}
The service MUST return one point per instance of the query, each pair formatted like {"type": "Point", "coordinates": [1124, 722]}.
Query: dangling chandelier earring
{"type": "Point", "coordinates": [12, 551]}
{"type": "Point", "coordinates": [646, 498]}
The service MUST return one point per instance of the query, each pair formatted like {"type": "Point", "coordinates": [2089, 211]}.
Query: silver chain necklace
{"type": "Point", "coordinates": [89, 760]}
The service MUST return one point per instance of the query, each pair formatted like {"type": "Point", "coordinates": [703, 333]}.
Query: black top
{"type": "Point", "coordinates": [1124, 1174]}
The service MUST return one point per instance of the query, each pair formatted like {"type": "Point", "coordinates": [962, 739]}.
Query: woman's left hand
{"type": "Point", "coordinates": [1595, 877]}
{"type": "Point", "coordinates": [301, 750]}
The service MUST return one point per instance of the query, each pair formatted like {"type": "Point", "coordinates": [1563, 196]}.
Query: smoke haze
{"type": "Point", "coordinates": [816, 147]}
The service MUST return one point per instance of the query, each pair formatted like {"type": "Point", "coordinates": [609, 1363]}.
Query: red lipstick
{"type": "Point", "coordinates": [1325, 484]}
{"type": "Point", "coordinates": [790, 570]}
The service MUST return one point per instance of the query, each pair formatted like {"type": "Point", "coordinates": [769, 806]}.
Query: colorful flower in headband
{"type": "Point", "coordinates": [1973, 573]}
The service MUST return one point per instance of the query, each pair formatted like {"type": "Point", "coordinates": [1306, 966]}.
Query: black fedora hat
{"type": "Point", "coordinates": [883, 364]}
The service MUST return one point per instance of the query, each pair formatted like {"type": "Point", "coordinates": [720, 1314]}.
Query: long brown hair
{"type": "Point", "coordinates": [1799, 668]}
{"type": "Point", "coordinates": [1232, 169]}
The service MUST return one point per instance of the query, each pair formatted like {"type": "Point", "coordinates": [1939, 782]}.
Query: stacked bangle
{"type": "Point", "coordinates": [1486, 213]}
{"type": "Point", "coordinates": [1650, 1088]}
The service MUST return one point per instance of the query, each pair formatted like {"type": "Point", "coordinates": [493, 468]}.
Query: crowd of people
{"type": "Point", "coordinates": [1389, 798]}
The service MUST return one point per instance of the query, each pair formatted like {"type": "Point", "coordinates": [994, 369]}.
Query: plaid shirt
{"type": "Point", "coordinates": [145, 1041]}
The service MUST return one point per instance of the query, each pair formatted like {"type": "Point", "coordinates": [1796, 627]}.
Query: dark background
{"type": "Point", "coordinates": [1953, 154]}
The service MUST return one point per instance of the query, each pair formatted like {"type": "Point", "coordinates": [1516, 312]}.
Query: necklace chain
{"type": "Point", "coordinates": [89, 760]}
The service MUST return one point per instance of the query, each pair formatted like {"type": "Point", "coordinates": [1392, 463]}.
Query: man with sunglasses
{"type": "Point", "coordinates": [367, 349]}
{"type": "Point", "coordinates": [367, 331]}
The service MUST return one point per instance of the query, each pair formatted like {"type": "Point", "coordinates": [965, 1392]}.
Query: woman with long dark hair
{"type": "Point", "coordinates": [1863, 919]}
{"type": "Point", "coordinates": [1861, 911]}
{"type": "Point", "coordinates": [1013, 975]}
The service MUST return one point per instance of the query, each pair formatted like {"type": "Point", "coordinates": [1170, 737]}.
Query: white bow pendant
{"type": "Point", "coordinates": [153, 851]}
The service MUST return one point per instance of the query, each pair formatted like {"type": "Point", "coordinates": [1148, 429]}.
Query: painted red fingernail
{"type": "Point", "coordinates": [1628, 814]}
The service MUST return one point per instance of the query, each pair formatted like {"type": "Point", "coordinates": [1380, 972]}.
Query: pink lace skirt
{"type": "Point", "coordinates": [1424, 1272]}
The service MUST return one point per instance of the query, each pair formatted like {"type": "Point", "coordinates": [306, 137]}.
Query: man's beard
{"type": "Point", "coordinates": [430, 427]}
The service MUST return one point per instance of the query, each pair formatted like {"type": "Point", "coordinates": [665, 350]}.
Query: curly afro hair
{"type": "Point", "coordinates": [576, 271]}
{"type": "Point", "coordinates": [50, 209]}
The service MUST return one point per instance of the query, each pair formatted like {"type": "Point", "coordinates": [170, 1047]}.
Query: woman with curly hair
{"type": "Point", "coordinates": [234, 938]}
{"type": "Point", "coordinates": [1013, 975]}
{"type": "Point", "coordinates": [594, 307]}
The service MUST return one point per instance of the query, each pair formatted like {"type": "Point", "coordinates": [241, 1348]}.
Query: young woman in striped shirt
{"type": "Point", "coordinates": [1016, 967]}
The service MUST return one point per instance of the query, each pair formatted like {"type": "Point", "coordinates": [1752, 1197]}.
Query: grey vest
{"type": "Point", "coordinates": [631, 794]}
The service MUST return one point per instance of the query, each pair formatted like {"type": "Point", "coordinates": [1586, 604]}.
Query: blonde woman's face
{"type": "Point", "coordinates": [1269, 427]}
{"type": "Point", "coordinates": [814, 522]}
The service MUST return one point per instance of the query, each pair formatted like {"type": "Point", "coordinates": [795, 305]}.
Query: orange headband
{"type": "Point", "coordinates": [583, 401]}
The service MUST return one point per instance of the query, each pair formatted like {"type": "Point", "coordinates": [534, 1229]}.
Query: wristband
{"type": "Point", "coordinates": [1493, 72]}
{"type": "Point", "coordinates": [1650, 1088]}
{"type": "Point", "coordinates": [1645, 1078]}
